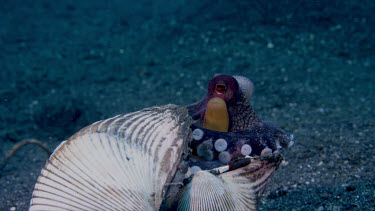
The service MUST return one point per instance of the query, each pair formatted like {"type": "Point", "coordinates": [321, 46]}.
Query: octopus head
{"type": "Point", "coordinates": [223, 92]}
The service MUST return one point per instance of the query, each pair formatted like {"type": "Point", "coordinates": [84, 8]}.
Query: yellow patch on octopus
{"type": "Point", "coordinates": [216, 117]}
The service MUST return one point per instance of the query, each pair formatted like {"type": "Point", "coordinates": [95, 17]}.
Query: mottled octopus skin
{"type": "Point", "coordinates": [245, 125]}
{"type": "Point", "coordinates": [241, 115]}
{"type": "Point", "coordinates": [265, 134]}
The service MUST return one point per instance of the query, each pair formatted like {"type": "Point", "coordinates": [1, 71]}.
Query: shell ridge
{"type": "Point", "coordinates": [97, 200]}
{"type": "Point", "coordinates": [121, 131]}
{"type": "Point", "coordinates": [68, 175]}
{"type": "Point", "coordinates": [151, 136]}
{"type": "Point", "coordinates": [213, 197]}
{"type": "Point", "coordinates": [104, 124]}
{"type": "Point", "coordinates": [54, 206]}
{"type": "Point", "coordinates": [249, 182]}
{"type": "Point", "coordinates": [123, 194]}
{"type": "Point", "coordinates": [229, 198]}
{"type": "Point", "coordinates": [159, 151]}
{"type": "Point", "coordinates": [136, 173]}
{"type": "Point", "coordinates": [96, 181]}
{"type": "Point", "coordinates": [119, 163]}
{"type": "Point", "coordinates": [146, 130]}
{"type": "Point", "coordinates": [71, 170]}
{"type": "Point", "coordinates": [170, 121]}
{"type": "Point", "coordinates": [131, 127]}
{"type": "Point", "coordinates": [124, 148]}
{"type": "Point", "coordinates": [142, 131]}
{"type": "Point", "coordinates": [184, 202]}
{"type": "Point", "coordinates": [119, 158]}
{"type": "Point", "coordinates": [76, 202]}
{"type": "Point", "coordinates": [163, 147]}
{"type": "Point", "coordinates": [127, 135]}
{"type": "Point", "coordinates": [113, 162]}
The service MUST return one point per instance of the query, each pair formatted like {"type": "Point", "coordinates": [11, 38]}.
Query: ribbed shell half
{"type": "Point", "coordinates": [121, 163]}
{"type": "Point", "coordinates": [240, 189]}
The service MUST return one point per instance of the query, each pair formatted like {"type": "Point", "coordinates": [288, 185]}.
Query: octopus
{"type": "Point", "coordinates": [215, 154]}
{"type": "Point", "coordinates": [225, 114]}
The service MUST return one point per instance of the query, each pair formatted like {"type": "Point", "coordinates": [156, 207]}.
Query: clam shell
{"type": "Point", "coordinates": [239, 189]}
{"type": "Point", "coordinates": [121, 163]}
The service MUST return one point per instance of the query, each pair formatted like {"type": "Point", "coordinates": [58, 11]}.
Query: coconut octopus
{"type": "Point", "coordinates": [216, 154]}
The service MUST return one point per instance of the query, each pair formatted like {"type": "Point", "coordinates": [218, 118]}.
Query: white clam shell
{"type": "Point", "coordinates": [121, 163]}
{"type": "Point", "coordinates": [239, 189]}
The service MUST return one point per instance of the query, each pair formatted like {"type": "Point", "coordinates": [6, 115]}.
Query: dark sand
{"type": "Point", "coordinates": [64, 65]}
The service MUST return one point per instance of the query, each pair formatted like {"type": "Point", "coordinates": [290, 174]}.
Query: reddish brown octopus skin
{"type": "Point", "coordinates": [241, 114]}
{"type": "Point", "coordinates": [244, 124]}
{"type": "Point", "coordinates": [245, 127]}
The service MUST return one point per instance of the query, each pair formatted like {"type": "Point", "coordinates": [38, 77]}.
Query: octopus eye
{"type": "Point", "coordinates": [220, 88]}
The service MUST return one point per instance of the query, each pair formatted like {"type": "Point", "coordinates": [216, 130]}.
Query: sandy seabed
{"type": "Point", "coordinates": [64, 65]}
